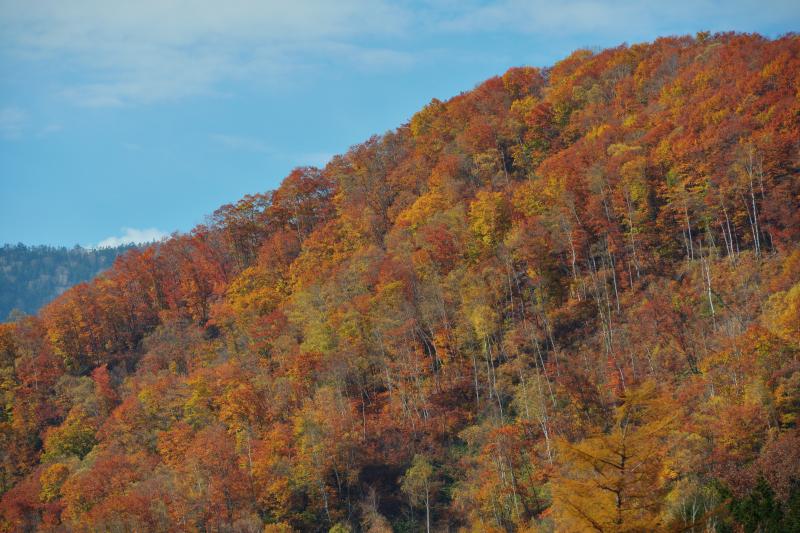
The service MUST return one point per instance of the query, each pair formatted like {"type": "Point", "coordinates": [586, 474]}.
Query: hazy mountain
{"type": "Point", "coordinates": [31, 276]}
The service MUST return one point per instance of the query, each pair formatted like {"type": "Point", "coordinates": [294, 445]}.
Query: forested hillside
{"type": "Point", "coordinates": [31, 276]}
{"type": "Point", "coordinates": [567, 300]}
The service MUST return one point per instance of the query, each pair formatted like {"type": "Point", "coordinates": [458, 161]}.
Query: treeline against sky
{"type": "Point", "coordinates": [567, 300]}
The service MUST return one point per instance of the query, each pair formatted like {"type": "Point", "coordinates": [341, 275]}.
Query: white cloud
{"type": "Point", "coordinates": [13, 121]}
{"type": "Point", "coordinates": [155, 50]}
{"type": "Point", "coordinates": [133, 236]}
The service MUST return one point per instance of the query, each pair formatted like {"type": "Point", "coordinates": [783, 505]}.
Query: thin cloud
{"type": "Point", "coordinates": [13, 122]}
{"type": "Point", "coordinates": [238, 142]}
{"type": "Point", "coordinates": [609, 18]}
{"type": "Point", "coordinates": [132, 236]}
{"type": "Point", "coordinates": [50, 129]}
{"type": "Point", "coordinates": [16, 124]}
{"type": "Point", "coordinates": [314, 159]}
{"type": "Point", "coordinates": [372, 59]}
{"type": "Point", "coordinates": [153, 51]}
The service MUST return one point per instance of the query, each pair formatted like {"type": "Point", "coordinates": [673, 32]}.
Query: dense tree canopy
{"type": "Point", "coordinates": [567, 300]}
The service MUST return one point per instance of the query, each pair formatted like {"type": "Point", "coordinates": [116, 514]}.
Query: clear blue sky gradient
{"type": "Point", "coordinates": [152, 114]}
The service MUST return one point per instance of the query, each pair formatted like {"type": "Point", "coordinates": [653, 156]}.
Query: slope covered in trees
{"type": "Point", "coordinates": [567, 300]}
{"type": "Point", "coordinates": [31, 276]}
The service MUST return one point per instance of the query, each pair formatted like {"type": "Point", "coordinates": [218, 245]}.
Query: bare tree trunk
{"type": "Point", "coordinates": [690, 247]}
{"type": "Point", "coordinates": [427, 509]}
{"type": "Point", "coordinates": [707, 281]}
{"type": "Point", "coordinates": [492, 375]}
{"type": "Point", "coordinates": [475, 375]}
{"type": "Point", "coordinates": [568, 231]}
{"type": "Point", "coordinates": [750, 168]}
{"type": "Point", "coordinates": [631, 232]}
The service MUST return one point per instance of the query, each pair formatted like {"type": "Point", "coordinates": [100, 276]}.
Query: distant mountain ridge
{"type": "Point", "coordinates": [31, 276]}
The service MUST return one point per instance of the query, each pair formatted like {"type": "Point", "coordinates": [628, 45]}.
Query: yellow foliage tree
{"type": "Point", "coordinates": [615, 481]}
{"type": "Point", "coordinates": [490, 217]}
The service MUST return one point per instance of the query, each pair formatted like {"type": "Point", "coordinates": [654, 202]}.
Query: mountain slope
{"type": "Point", "coordinates": [31, 276]}
{"type": "Point", "coordinates": [567, 299]}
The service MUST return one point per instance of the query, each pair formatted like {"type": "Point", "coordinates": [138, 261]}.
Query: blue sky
{"type": "Point", "coordinates": [126, 120]}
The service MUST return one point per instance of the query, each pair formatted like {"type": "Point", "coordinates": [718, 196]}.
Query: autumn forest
{"type": "Point", "coordinates": [566, 300]}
